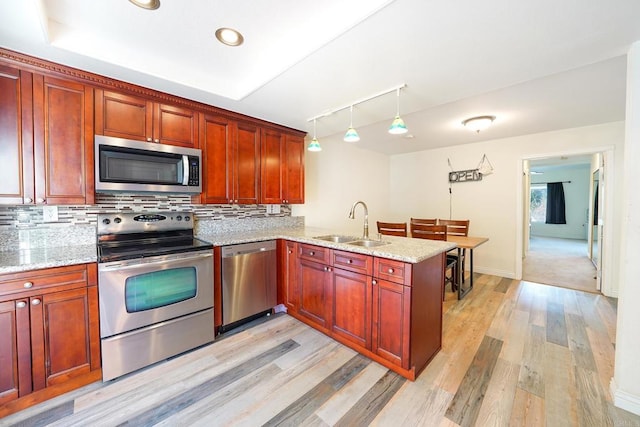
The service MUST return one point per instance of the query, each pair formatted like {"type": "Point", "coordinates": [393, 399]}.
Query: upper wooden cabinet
{"type": "Point", "coordinates": [47, 140]}
{"type": "Point", "coordinates": [282, 168]}
{"type": "Point", "coordinates": [231, 157]}
{"type": "Point", "coordinates": [132, 117]}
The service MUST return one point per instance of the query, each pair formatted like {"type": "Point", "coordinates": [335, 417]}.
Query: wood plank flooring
{"type": "Point", "coordinates": [514, 353]}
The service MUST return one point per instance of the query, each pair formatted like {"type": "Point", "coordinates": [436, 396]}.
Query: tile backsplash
{"type": "Point", "coordinates": [30, 217]}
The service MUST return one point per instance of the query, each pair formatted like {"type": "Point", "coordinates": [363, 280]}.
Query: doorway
{"type": "Point", "coordinates": [561, 246]}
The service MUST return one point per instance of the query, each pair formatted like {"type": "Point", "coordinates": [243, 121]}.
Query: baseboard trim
{"type": "Point", "coordinates": [627, 401]}
{"type": "Point", "coordinates": [494, 272]}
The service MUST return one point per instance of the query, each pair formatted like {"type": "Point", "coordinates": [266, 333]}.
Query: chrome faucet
{"type": "Point", "coordinates": [365, 232]}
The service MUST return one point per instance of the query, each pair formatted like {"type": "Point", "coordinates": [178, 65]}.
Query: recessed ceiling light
{"type": "Point", "coordinates": [229, 36]}
{"type": "Point", "coordinates": [147, 4]}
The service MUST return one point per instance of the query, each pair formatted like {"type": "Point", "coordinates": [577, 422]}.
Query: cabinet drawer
{"type": "Point", "coordinates": [357, 263]}
{"type": "Point", "coordinates": [314, 253]}
{"type": "Point", "coordinates": [39, 280]}
{"type": "Point", "coordinates": [393, 271]}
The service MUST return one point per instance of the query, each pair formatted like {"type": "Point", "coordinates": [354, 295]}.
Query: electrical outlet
{"type": "Point", "coordinates": [50, 213]}
{"type": "Point", "coordinates": [273, 209]}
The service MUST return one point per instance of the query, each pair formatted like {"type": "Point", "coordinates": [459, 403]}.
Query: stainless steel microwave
{"type": "Point", "coordinates": [123, 165]}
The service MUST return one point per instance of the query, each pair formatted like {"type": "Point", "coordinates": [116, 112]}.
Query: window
{"type": "Point", "coordinates": [538, 206]}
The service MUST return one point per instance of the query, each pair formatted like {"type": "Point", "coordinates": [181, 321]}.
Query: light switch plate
{"type": "Point", "coordinates": [50, 213]}
{"type": "Point", "coordinates": [273, 209]}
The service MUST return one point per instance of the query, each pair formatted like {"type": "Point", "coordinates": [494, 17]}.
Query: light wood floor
{"type": "Point", "coordinates": [514, 354]}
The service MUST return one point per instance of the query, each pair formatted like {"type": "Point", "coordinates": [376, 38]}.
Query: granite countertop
{"type": "Point", "coordinates": [399, 248]}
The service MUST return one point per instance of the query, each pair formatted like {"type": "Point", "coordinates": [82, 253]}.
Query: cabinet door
{"type": "Point", "coordinates": [16, 136]}
{"type": "Point", "coordinates": [216, 141]}
{"type": "Point", "coordinates": [175, 125]}
{"type": "Point", "coordinates": [293, 170]}
{"type": "Point", "coordinates": [271, 171]}
{"type": "Point", "coordinates": [63, 141]}
{"type": "Point", "coordinates": [291, 288]}
{"type": "Point", "coordinates": [123, 116]}
{"type": "Point", "coordinates": [391, 322]}
{"type": "Point", "coordinates": [15, 350]}
{"type": "Point", "coordinates": [246, 164]}
{"type": "Point", "coordinates": [315, 292]}
{"type": "Point", "coordinates": [352, 307]}
{"type": "Point", "coordinates": [60, 333]}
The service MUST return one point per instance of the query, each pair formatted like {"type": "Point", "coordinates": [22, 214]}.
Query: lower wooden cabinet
{"type": "Point", "coordinates": [388, 310]}
{"type": "Point", "coordinates": [49, 334]}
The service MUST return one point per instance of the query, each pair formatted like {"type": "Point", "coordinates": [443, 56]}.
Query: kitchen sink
{"type": "Point", "coordinates": [368, 243]}
{"type": "Point", "coordinates": [337, 238]}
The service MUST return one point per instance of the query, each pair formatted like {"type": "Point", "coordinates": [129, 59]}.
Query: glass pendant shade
{"type": "Point", "coordinates": [314, 145]}
{"type": "Point", "coordinates": [397, 126]}
{"type": "Point", "coordinates": [351, 135]}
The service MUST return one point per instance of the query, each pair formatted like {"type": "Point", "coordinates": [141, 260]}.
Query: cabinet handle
{"type": "Point", "coordinates": [312, 253]}
{"type": "Point", "coordinates": [28, 200]}
{"type": "Point", "coordinates": [290, 252]}
{"type": "Point", "coordinates": [374, 282]}
{"type": "Point", "coordinates": [148, 139]}
{"type": "Point", "coordinates": [40, 200]}
{"type": "Point", "coordinates": [21, 304]}
{"type": "Point", "coordinates": [350, 261]}
{"type": "Point", "coordinates": [157, 141]}
{"type": "Point", "coordinates": [27, 285]}
{"type": "Point", "coordinates": [390, 271]}
{"type": "Point", "coordinates": [35, 301]}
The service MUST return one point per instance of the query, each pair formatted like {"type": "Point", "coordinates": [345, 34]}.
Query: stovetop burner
{"type": "Point", "coordinates": [125, 236]}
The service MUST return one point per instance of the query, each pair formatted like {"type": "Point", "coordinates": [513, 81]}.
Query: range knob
{"type": "Point", "coordinates": [179, 217]}
{"type": "Point", "coordinates": [187, 218]}
{"type": "Point", "coordinates": [106, 221]}
{"type": "Point", "coordinates": [117, 220]}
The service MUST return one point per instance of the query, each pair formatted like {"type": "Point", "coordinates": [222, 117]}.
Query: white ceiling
{"type": "Point", "coordinates": [537, 66]}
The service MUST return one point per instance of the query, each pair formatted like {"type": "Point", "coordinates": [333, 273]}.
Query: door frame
{"type": "Point", "coordinates": [607, 211]}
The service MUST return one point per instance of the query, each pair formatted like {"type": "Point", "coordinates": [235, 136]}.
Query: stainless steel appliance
{"type": "Point", "coordinates": [155, 285]}
{"type": "Point", "coordinates": [248, 282]}
{"type": "Point", "coordinates": [122, 165]}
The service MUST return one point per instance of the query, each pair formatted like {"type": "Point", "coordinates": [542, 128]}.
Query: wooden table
{"type": "Point", "coordinates": [466, 242]}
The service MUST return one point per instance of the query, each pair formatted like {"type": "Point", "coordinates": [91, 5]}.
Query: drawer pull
{"type": "Point", "coordinates": [391, 271]}
{"type": "Point", "coordinates": [350, 261]}
{"type": "Point", "coordinates": [374, 282]}
{"type": "Point", "coordinates": [312, 253]}
{"type": "Point", "coordinates": [27, 285]}
{"type": "Point", "coordinates": [21, 304]}
{"type": "Point", "coordinates": [35, 301]}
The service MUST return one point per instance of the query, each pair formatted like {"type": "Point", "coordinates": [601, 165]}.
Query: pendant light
{"type": "Point", "coordinates": [352, 134]}
{"type": "Point", "coordinates": [314, 145]}
{"type": "Point", "coordinates": [397, 126]}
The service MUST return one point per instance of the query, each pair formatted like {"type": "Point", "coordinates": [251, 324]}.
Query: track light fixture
{"type": "Point", "coordinates": [352, 134]}
{"type": "Point", "coordinates": [397, 126]}
{"type": "Point", "coordinates": [314, 145]}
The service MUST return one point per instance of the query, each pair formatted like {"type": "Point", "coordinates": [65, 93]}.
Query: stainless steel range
{"type": "Point", "coordinates": [155, 284]}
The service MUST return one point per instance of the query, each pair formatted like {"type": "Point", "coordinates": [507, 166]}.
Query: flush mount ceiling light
{"type": "Point", "coordinates": [147, 4]}
{"type": "Point", "coordinates": [352, 134]}
{"type": "Point", "coordinates": [478, 123]}
{"type": "Point", "coordinates": [314, 145]}
{"type": "Point", "coordinates": [229, 36]}
{"type": "Point", "coordinates": [397, 126]}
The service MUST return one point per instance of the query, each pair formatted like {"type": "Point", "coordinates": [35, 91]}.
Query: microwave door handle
{"type": "Point", "coordinates": [185, 170]}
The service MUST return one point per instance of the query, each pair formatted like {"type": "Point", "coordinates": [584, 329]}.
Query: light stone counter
{"type": "Point", "coordinates": [34, 259]}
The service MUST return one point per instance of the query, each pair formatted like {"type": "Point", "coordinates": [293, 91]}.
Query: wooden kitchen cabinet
{"type": "Point", "coordinates": [290, 292]}
{"type": "Point", "coordinates": [231, 157]}
{"type": "Point", "coordinates": [47, 140]}
{"type": "Point", "coordinates": [315, 277]}
{"type": "Point", "coordinates": [282, 168]}
{"type": "Point", "coordinates": [391, 321]}
{"type": "Point", "coordinates": [134, 117]}
{"type": "Point", "coordinates": [50, 334]}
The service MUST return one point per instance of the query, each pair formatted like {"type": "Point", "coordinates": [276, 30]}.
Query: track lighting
{"type": "Point", "coordinates": [352, 134]}
{"type": "Point", "coordinates": [397, 126]}
{"type": "Point", "coordinates": [314, 145]}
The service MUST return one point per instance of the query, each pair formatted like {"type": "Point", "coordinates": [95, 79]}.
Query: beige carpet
{"type": "Point", "coordinates": [559, 262]}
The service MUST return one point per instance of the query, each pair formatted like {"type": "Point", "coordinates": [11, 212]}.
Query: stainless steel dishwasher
{"type": "Point", "coordinates": [248, 282]}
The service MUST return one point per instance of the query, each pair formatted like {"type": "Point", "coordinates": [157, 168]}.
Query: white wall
{"type": "Point", "coordinates": [419, 187]}
{"type": "Point", "coordinates": [576, 194]}
{"type": "Point", "coordinates": [336, 178]}
{"type": "Point", "coordinates": [625, 386]}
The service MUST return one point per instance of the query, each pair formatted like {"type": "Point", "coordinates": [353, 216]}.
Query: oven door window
{"type": "Point", "coordinates": [160, 288]}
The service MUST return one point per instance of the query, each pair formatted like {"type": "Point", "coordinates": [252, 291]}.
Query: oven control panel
{"type": "Point", "coordinates": [131, 222]}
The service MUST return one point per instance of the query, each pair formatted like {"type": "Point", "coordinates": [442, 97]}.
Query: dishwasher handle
{"type": "Point", "coordinates": [248, 248]}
